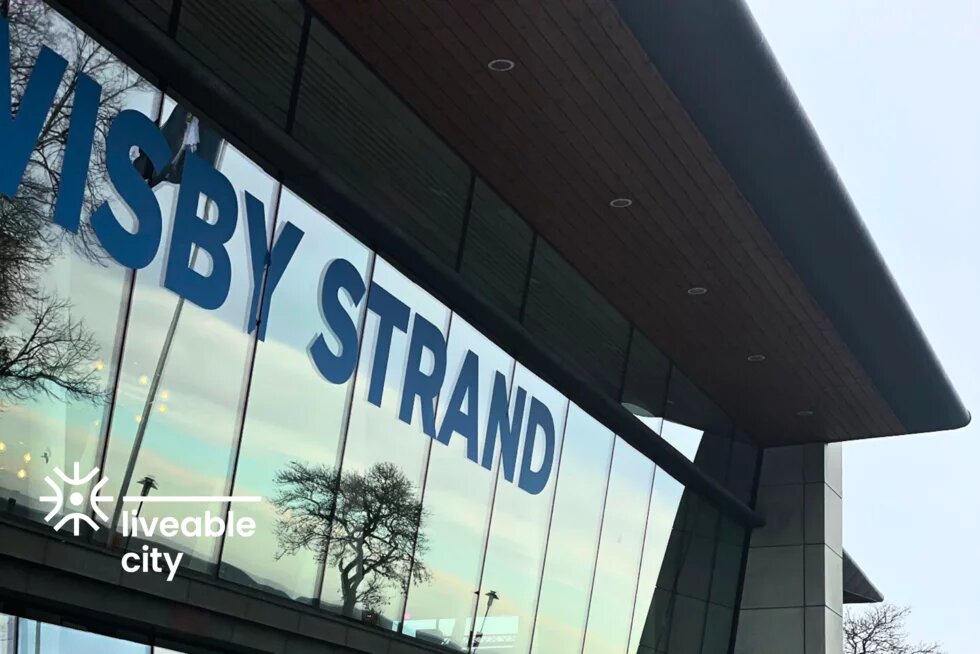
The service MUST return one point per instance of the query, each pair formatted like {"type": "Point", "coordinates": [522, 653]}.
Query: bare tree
{"type": "Point", "coordinates": [42, 346]}
{"type": "Point", "coordinates": [880, 629]}
{"type": "Point", "coordinates": [370, 526]}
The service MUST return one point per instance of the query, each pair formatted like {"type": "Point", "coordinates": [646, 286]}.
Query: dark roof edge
{"type": "Point", "coordinates": [858, 589]}
{"type": "Point", "coordinates": [718, 64]}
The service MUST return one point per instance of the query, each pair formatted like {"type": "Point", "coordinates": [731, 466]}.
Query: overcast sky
{"type": "Point", "coordinates": [892, 87]}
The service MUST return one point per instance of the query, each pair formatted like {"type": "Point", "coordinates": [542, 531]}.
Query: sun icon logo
{"type": "Point", "coordinates": [76, 499]}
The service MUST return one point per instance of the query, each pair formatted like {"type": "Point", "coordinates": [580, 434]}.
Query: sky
{"type": "Point", "coordinates": [891, 88]}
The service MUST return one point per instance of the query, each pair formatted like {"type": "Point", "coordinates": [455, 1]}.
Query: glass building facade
{"type": "Point", "coordinates": [491, 513]}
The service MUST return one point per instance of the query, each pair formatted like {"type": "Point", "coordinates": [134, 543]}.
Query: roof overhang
{"type": "Point", "coordinates": [717, 62]}
{"type": "Point", "coordinates": [680, 106]}
{"type": "Point", "coordinates": [858, 589]}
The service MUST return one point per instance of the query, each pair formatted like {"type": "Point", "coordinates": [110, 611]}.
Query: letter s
{"type": "Point", "coordinates": [131, 128]}
{"type": "Point", "coordinates": [339, 275]}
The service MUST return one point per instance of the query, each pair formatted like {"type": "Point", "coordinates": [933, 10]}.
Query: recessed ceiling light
{"type": "Point", "coordinates": [620, 203]}
{"type": "Point", "coordinates": [501, 65]}
{"type": "Point", "coordinates": [805, 413]}
{"type": "Point", "coordinates": [756, 358]}
{"type": "Point", "coordinates": [697, 290]}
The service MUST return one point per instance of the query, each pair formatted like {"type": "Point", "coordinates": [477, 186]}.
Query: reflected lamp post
{"type": "Point", "coordinates": [491, 596]}
{"type": "Point", "coordinates": [147, 484]}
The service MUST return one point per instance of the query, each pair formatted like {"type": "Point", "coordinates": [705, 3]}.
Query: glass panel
{"type": "Point", "coordinates": [620, 548]}
{"type": "Point", "coordinates": [664, 503]}
{"type": "Point", "coordinates": [687, 625]}
{"type": "Point", "coordinates": [377, 150]}
{"type": "Point", "coordinates": [743, 466]}
{"type": "Point", "coordinates": [728, 562]}
{"type": "Point", "coordinates": [252, 46]}
{"type": "Point", "coordinates": [62, 297]}
{"type": "Point", "coordinates": [384, 457]}
{"type": "Point", "coordinates": [158, 11]}
{"type": "Point", "coordinates": [457, 497]}
{"type": "Point", "coordinates": [689, 416]}
{"type": "Point", "coordinates": [497, 250]}
{"type": "Point", "coordinates": [183, 372]}
{"type": "Point", "coordinates": [45, 638]}
{"type": "Point", "coordinates": [295, 417]}
{"type": "Point", "coordinates": [645, 387]}
{"type": "Point", "coordinates": [566, 312]}
{"type": "Point", "coordinates": [574, 537]}
{"type": "Point", "coordinates": [717, 630]}
{"type": "Point", "coordinates": [518, 529]}
{"type": "Point", "coordinates": [8, 634]}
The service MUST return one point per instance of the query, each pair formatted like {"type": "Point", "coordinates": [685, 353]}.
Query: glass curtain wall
{"type": "Point", "coordinates": [409, 473]}
{"type": "Point", "coordinates": [23, 636]}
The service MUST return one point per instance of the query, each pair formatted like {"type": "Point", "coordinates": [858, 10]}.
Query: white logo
{"type": "Point", "coordinates": [76, 499]}
{"type": "Point", "coordinates": [146, 528]}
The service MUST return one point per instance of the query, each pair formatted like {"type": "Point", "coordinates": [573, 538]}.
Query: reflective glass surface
{"type": "Point", "coordinates": [183, 371]}
{"type": "Point", "coordinates": [23, 636]}
{"type": "Point", "coordinates": [377, 150]}
{"type": "Point", "coordinates": [62, 297]}
{"type": "Point", "coordinates": [620, 549]}
{"type": "Point", "coordinates": [457, 497]}
{"type": "Point", "coordinates": [497, 250]}
{"type": "Point", "coordinates": [386, 449]}
{"type": "Point", "coordinates": [664, 502]}
{"type": "Point", "coordinates": [293, 417]}
{"type": "Point", "coordinates": [432, 486]}
{"type": "Point", "coordinates": [595, 339]}
{"type": "Point", "coordinates": [573, 540]}
{"type": "Point", "coordinates": [518, 531]}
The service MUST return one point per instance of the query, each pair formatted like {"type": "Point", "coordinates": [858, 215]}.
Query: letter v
{"type": "Point", "coordinates": [148, 527]}
{"type": "Point", "coordinates": [19, 135]}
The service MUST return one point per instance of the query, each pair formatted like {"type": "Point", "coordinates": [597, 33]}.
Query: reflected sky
{"type": "Point", "coordinates": [200, 391]}
{"type": "Point", "coordinates": [457, 495]}
{"type": "Point", "coordinates": [620, 548]}
{"type": "Point", "coordinates": [574, 537]}
{"type": "Point", "coordinates": [293, 413]}
{"type": "Point", "coordinates": [515, 551]}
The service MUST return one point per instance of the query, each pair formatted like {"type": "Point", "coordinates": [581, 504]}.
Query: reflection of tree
{"type": "Point", "coordinates": [42, 347]}
{"type": "Point", "coordinates": [370, 526]}
{"type": "Point", "coordinates": [880, 629]}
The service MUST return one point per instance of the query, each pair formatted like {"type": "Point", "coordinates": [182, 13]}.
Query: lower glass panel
{"type": "Point", "coordinates": [664, 502]}
{"type": "Point", "coordinates": [376, 522]}
{"type": "Point", "coordinates": [295, 418]}
{"type": "Point", "coordinates": [457, 501]}
{"type": "Point", "coordinates": [182, 377]}
{"type": "Point", "coordinates": [515, 552]}
{"type": "Point", "coordinates": [620, 549]}
{"type": "Point", "coordinates": [574, 537]}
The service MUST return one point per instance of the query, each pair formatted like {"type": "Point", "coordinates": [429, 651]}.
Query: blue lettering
{"type": "Point", "coordinates": [194, 232]}
{"type": "Point", "coordinates": [78, 150]}
{"type": "Point", "coordinates": [283, 249]}
{"type": "Point", "coordinates": [508, 427]}
{"type": "Point", "coordinates": [19, 135]}
{"type": "Point", "coordinates": [425, 386]}
{"type": "Point", "coordinates": [392, 314]}
{"type": "Point", "coordinates": [339, 275]}
{"type": "Point", "coordinates": [458, 421]}
{"type": "Point", "coordinates": [534, 481]}
{"type": "Point", "coordinates": [132, 250]}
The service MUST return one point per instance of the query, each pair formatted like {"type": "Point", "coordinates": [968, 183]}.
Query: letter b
{"type": "Point", "coordinates": [214, 526]}
{"type": "Point", "coordinates": [192, 231]}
